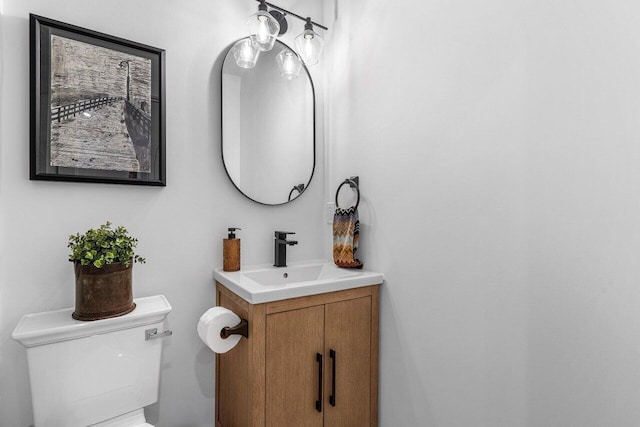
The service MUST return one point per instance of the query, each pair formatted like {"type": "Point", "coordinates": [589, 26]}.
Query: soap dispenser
{"type": "Point", "coordinates": [231, 251]}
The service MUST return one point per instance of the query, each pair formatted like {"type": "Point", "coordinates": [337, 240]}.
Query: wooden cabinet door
{"type": "Point", "coordinates": [293, 341]}
{"type": "Point", "coordinates": [348, 354]}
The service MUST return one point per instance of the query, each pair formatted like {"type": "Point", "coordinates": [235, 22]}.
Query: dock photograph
{"type": "Point", "coordinates": [100, 108]}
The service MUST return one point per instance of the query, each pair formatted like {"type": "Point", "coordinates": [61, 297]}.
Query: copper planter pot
{"type": "Point", "coordinates": [103, 292]}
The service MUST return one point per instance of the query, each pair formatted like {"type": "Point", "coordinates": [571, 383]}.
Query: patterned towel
{"type": "Point", "coordinates": [346, 233]}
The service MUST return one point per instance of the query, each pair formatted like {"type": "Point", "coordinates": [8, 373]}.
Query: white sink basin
{"type": "Point", "coordinates": [265, 283]}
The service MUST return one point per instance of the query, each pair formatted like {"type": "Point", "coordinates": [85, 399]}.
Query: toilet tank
{"type": "Point", "coordinates": [82, 373]}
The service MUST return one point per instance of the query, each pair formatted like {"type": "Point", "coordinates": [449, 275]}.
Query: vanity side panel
{"type": "Point", "coordinates": [232, 371]}
{"type": "Point", "coordinates": [375, 310]}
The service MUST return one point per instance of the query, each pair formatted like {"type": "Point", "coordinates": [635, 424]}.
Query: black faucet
{"type": "Point", "coordinates": [281, 243]}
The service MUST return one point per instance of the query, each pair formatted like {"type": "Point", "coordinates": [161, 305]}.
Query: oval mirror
{"type": "Point", "coordinates": [268, 128]}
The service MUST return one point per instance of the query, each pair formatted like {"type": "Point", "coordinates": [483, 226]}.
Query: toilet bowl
{"type": "Point", "coordinates": [100, 373]}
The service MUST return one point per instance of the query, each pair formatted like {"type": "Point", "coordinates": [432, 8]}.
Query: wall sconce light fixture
{"type": "Point", "coordinates": [245, 53]}
{"type": "Point", "coordinates": [266, 25]}
{"type": "Point", "coordinates": [289, 64]}
{"type": "Point", "coordinates": [309, 44]}
{"type": "Point", "coordinates": [263, 28]}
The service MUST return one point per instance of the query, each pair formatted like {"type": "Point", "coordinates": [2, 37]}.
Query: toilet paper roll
{"type": "Point", "coordinates": [210, 325]}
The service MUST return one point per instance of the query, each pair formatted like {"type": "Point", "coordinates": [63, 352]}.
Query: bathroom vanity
{"type": "Point", "coordinates": [309, 360]}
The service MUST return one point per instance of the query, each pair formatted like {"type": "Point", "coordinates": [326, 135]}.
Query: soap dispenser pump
{"type": "Point", "coordinates": [231, 251]}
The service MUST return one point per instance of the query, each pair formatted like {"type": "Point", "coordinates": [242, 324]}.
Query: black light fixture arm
{"type": "Point", "coordinates": [286, 12]}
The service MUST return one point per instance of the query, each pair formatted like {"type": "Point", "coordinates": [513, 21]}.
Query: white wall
{"type": "Point", "coordinates": [583, 151]}
{"type": "Point", "coordinates": [180, 227]}
{"type": "Point", "coordinates": [497, 145]}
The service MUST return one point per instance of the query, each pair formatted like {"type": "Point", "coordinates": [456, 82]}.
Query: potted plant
{"type": "Point", "coordinates": [103, 259]}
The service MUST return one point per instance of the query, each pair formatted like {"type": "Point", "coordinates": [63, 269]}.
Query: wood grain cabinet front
{"type": "Point", "coordinates": [309, 361]}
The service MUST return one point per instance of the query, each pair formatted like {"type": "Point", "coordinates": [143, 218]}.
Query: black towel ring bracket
{"type": "Point", "coordinates": [353, 182]}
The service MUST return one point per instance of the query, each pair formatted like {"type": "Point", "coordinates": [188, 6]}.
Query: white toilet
{"type": "Point", "coordinates": [101, 373]}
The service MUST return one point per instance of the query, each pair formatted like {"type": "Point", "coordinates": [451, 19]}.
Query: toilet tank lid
{"type": "Point", "coordinates": [54, 326]}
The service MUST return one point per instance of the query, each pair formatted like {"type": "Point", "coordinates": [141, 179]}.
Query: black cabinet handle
{"type": "Point", "coordinates": [319, 401]}
{"type": "Point", "coordinates": [332, 398]}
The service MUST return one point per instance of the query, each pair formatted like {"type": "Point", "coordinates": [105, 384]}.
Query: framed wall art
{"type": "Point", "coordinates": [97, 107]}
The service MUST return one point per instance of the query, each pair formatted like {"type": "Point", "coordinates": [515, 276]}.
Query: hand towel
{"type": "Point", "coordinates": [346, 234]}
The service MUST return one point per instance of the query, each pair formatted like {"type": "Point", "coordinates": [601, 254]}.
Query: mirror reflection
{"type": "Point", "coordinates": [268, 127]}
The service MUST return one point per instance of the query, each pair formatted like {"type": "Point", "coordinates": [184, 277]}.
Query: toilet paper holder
{"type": "Point", "coordinates": [241, 328]}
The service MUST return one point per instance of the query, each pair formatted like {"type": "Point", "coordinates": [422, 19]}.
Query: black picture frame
{"type": "Point", "coordinates": [97, 109]}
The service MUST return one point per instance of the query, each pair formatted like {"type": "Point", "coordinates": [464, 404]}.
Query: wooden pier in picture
{"type": "Point", "coordinates": [94, 139]}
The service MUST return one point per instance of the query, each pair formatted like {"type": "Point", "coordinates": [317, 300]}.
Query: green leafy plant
{"type": "Point", "coordinates": [103, 246]}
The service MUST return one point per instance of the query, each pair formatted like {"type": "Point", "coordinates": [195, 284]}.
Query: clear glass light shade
{"type": "Point", "coordinates": [245, 53]}
{"type": "Point", "coordinates": [289, 64]}
{"type": "Point", "coordinates": [309, 46]}
{"type": "Point", "coordinates": [263, 30]}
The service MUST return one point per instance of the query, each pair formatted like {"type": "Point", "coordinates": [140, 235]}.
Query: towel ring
{"type": "Point", "coordinates": [353, 183]}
